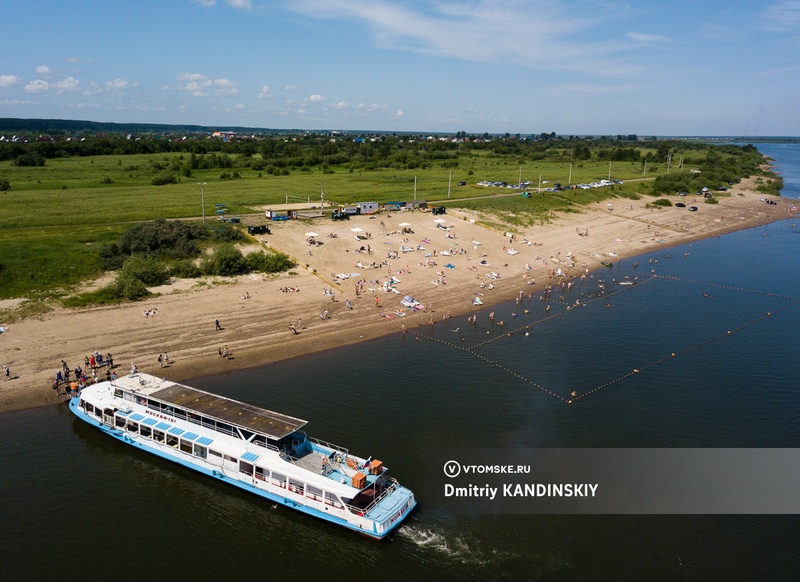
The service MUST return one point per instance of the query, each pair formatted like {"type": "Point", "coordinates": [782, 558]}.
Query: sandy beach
{"type": "Point", "coordinates": [444, 266]}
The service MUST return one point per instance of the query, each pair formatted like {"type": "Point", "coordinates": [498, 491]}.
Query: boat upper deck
{"type": "Point", "coordinates": [260, 420]}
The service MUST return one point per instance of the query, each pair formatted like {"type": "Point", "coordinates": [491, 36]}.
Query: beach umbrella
{"type": "Point", "coordinates": [405, 224]}
{"type": "Point", "coordinates": [311, 234]}
{"type": "Point", "coordinates": [356, 229]}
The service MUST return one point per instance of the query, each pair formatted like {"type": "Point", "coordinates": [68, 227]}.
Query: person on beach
{"type": "Point", "coordinates": [216, 325]}
{"type": "Point", "coordinates": [7, 372]}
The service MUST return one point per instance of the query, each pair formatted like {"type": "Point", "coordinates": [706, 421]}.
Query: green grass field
{"type": "Point", "coordinates": [56, 217]}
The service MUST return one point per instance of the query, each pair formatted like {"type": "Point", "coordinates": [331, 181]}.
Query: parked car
{"type": "Point", "coordinates": [680, 205]}
{"type": "Point", "coordinates": [693, 209]}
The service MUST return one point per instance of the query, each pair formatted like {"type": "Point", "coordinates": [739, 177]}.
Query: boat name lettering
{"type": "Point", "coordinates": [157, 415]}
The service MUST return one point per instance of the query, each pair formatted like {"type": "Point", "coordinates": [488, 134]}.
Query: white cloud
{"type": "Point", "coordinates": [119, 84]}
{"type": "Point", "coordinates": [265, 92]}
{"type": "Point", "coordinates": [783, 16]}
{"type": "Point", "coordinates": [340, 105]}
{"type": "Point", "coordinates": [68, 84]}
{"type": "Point", "coordinates": [643, 38]}
{"type": "Point", "coordinates": [240, 4]}
{"type": "Point", "coordinates": [200, 85]}
{"type": "Point", "coordinates": [239, 106]}
{"type": "Point", "coordinates": [42, 70]}
{"type": "Point", "coordinates": [371, 108]}
{"type": "Point", "coordinates": [399, 113]}
{"type": "Point", "coordinates": [316, 98]}
{"type": "Point", "coordinates": [206, 3]}
{"type": "Point", "coordinates": [8, 80]}
{"type": "Point", "coordinates": [292, 87]}
{"type": "Point", "coordinates": [191, 77]}
{"type": "Point", "coordinates": [37, 86]}
{"type": "Point", "coordinates": [551, 35]}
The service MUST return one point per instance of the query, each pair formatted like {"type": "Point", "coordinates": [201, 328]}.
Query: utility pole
{"type": "Point", "coordinates": [449, 183]}
{"type": "Point", "coordinates": [203, 199]}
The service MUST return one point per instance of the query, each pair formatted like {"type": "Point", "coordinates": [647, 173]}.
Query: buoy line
{"type": "Point", "coordinates": [578, 396]}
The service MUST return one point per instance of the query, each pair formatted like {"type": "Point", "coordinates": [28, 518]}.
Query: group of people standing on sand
{"type": "Point", "coordinates": [80, 378]}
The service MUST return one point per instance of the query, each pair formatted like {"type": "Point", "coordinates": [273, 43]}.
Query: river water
{"type": "Point", "coordinates": [80, 505]}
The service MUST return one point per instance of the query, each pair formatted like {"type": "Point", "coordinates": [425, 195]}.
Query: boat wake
{"type": "Point", "coordinates": [456, 547]}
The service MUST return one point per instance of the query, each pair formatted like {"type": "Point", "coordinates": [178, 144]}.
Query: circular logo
{"type": "Point", "coordinates": [452, 469]}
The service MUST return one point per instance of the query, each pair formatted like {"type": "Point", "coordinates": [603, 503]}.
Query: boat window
{"type": "Point", "coordinates": [246, 434]}
{"type": "Point", "coordinates": [246, 468]}
{"type": "Point", "coordinates": [297, 486]}
{"type": "Point", "coordinates": [261, 473]}
{"type": "Point", "coordinates": [158, 436]}
{"type": "Point", "coordinates": [118, 393]}
{"type": "Point", "coordinates": [314, 493]}
{"type": "Point", "coordinates": [172, 440]}
{"type": "Point", "coordinates": [145, 431]}
{"type": "Point", "coordinates": [215, 454]}
{"type": "Point", "coordinates": [260, 440]}
{"type": "Point", "coordinates": [224, 428]}
{"type": "Point", "coordinates": [200, 451]}
{"type": "Point", "coordinates": [179, 413]}
{"type": "Point", "coordinates": [331, 499]}
{"type": "Point", "coordinates": [119, 421]}
{"type": "Point", "coordinates": [195, 418]}
{"type": "Point", "coordinates": [88, 406]}
{"type": "Point", "coordinates": [278, 479]}
{"type": "Point", "coordinates": [152, 404]}
{"type": "Point", "coordinates": [186, 446]}
{"type": "Point", "coordinates": [128, 396]}
{"type": "Point", "coordinates": [133, 426]}
{"type": "Point", "coordinates": [207, 422]}
{"type": "Point", "coordinates": [231, 459]}
{"type": "Point", "coordinates": [140, 400]}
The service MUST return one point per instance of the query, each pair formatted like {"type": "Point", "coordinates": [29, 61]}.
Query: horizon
{"type": "Point", "coordinates": [581, 67]}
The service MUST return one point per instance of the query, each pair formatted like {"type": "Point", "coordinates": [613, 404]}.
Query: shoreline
{"type": "Point", "coordinates": [255, 314]}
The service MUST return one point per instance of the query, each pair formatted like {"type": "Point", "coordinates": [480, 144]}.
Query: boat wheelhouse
{"type": "Point", "coordinates": [253, 448]}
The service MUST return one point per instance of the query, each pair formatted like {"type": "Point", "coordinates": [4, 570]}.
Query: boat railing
{"type": "Point", "coordinates": [322, 468]}
{"type": "Point", "coordinates": [328, 445]}
{"type": "Point", "coordinates": [392, 485]}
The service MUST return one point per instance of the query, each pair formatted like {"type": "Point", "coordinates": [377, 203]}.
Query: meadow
{"type": "Point", "coordinates": [57, 216]}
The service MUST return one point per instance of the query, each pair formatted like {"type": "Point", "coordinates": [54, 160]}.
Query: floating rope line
{"type": "Point", "coordinates": [570, 307]}
{"type": "Point", "coordinates": [673, 355]}
{"type": "Point", "coordinates": [731, 287]}
{"type": "Point", "coordinates": [493, 363]}
{"type": "Point", "coordinates": [574, 396]}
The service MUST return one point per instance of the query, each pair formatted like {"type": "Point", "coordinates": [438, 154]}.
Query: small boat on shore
{"type": "Point", "coordinates": [255, 449]}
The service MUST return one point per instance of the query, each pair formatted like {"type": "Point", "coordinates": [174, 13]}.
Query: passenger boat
{"type": "Point", "coordinates": [255, 449]}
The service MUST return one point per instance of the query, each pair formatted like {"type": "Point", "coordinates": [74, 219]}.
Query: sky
{"type": "Point", "coordinates": [573, 67]}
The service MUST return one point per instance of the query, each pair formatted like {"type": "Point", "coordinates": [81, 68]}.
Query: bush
{"type": "Point", "coordinates": [164, 179]}
{"type": "Point", "coordinates": [269, 263]}
{"type": "Point", "coordinates": [184, 269]}
{"type": "Point", "coordinates": [226, 260]}
{"type": "Point", "coordinates": [5, 185]}
{"type": "Point", "coordinates": [130, 288]}
{"type": "Point", "coordinates": [148, 270]}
